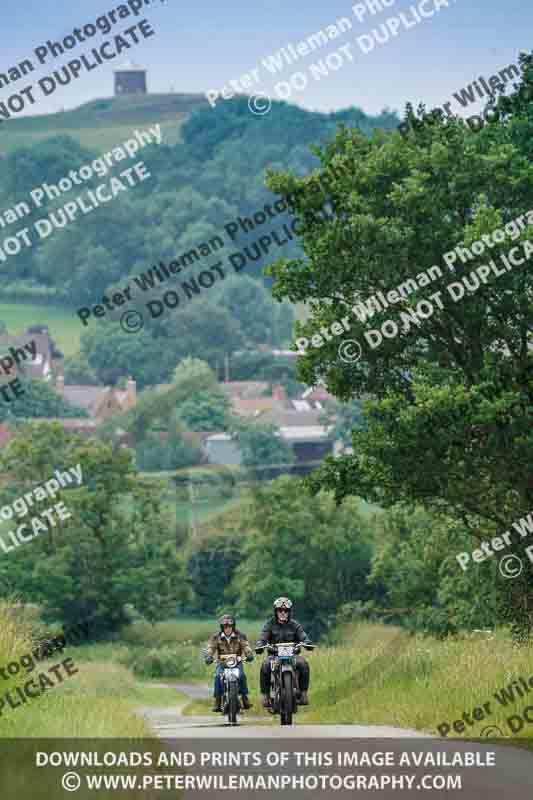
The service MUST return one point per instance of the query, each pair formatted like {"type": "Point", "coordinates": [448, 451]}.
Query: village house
{"type": "Point", "coordinates": [42, 366]}
{"type": "Point", "coordinates": [99, 401]}
{"type": "Point", "coordinates": [298, 422]}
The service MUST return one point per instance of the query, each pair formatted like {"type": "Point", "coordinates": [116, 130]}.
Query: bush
{"type": "Point", "coordinates": [171, 633]}
{"type": "Point", "coordinates": [215, 481]}
{"type": "Point", "coordinates": [154, 454]}
{"type": "Point", "coordinates": [164, 662]}
{"type": "Point", "coordinates": [78, 370]}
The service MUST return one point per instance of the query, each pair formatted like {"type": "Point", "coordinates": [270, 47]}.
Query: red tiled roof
{"type": "Point", "coordinates": [244, 389]}
{"type": "Point", "coordinates": [249, 407]}
{"type": "Point", "coordinates": [87, 397]}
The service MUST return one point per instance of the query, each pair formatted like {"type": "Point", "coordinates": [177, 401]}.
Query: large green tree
{"type": "Point", "coordinates": [211, 566]}
{"type": "Point", "coordinates": [262, 320]}
{"type": "Point", "coordinates": [213, 176]}
{"type": "Point", "coordinates": [309, 549]}
{"type": "Point", "coordinates": [112, 353]}
{"type": "Point", "coordinates": [451, 422]}
{"type": "Point", "coordinates": [205, 411]}
{"type": "Point", "coordinates": [417, 581]}
{"type": "Point", "coordinates": [117, 548]}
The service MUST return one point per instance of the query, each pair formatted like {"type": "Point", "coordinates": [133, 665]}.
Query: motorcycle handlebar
{"type": "Point", "coordinates": [297, 647]}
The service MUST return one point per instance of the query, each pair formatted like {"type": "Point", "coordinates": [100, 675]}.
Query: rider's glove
{"type": "Point", "coordinates": [250, 657]}
{"type": "Point", "coordinates": [209, 659]}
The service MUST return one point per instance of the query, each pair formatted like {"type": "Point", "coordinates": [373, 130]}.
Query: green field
{"type": "Point", "coordinates": [104, 123]}
{"type": "Point", "coordinates": [65, 327]}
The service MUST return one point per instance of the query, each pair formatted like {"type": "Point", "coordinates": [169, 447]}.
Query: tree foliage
{"type": "Point", "coordinates": [211, 566]}
{"type": "Point", "coordinates": [415, 573]}
{"type": "Point", "coordinates": [118, 547]}
{"type": "Point", "coordinates": [205, 411]}
{"type": "Point", "coordinates": [308, 549]}
{"type": "Point", "coordinates": [261, 446]}
{"type": "Point", "coordinates": [343, 419]}
{"type": "Point", "coordinates": [39, 400]}
{"type": "Point", "coordinates": [450, 425]}
{"type": "Point", "coordinates": [78, 370]}
{"type": "Point", "coordinates": [214, 175]}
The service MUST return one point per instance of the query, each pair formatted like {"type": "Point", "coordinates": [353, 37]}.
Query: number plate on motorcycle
{"type": "Point", "coordinates": [285, 651]}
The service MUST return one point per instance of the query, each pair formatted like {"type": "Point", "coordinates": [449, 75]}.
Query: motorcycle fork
{"type": "Point", "coordinates": [295, 678]}
{"type": "Point", "coordinates": [274, 690]}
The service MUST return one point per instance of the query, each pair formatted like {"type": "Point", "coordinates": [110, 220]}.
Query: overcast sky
{"type": "Point", "coordinates": [200, 46]}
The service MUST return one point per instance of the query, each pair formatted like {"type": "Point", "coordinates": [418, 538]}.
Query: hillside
{"type": "Point", "coordinates": [105, 122]}
{"type": "Point", "coordinates": [216, 174]}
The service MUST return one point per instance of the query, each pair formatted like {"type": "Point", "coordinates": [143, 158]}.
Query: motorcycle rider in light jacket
{"type": "Point", "coordinates": [229, 641]}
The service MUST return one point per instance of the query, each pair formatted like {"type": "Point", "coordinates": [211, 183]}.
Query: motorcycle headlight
{"type": "Point", "coordinates": [285, 650]}
{"type": "Point", "coordinates": [231, 662]}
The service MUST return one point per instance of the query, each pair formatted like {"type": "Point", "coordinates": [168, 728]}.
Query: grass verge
{"type": "Point", "coordinates": [371, 674]}
{"type": "Point", "coordinates": [99, 700]}
{"type": "Point", "coordinates": [379, 675]}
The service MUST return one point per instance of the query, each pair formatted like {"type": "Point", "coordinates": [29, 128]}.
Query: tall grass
{"type": "Point", "coordinates": [14, 635]}
{"type": "Point", "coordinates": [379, 675]}
{"type": "Point", "coordinates": [98, 701]}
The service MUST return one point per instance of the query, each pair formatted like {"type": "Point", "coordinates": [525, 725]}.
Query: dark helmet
{"type": "Point", "coordinates": [226, 619]}
{"type": "Point", "coordinates": [283, 603]}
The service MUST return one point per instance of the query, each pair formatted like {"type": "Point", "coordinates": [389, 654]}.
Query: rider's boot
{"type": "Point", "coordinates": [304, 700]}
{"type": "Point", "coordinates": [217, 704]}
{"type": "Point", "coordinates": [265, 700]}
{"type": "Point", "coordinates": [245, 702]}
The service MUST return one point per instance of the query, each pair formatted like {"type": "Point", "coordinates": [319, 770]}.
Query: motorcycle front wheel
{"type": "Point", "coordinates": [233, 703]}
{"type": "Point", "coordinates": [287, 698]}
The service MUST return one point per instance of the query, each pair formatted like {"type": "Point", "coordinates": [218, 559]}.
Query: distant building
{"type": "Point", "coordinates": [222, 449]}
{"type": "Point", "coordinates": [40, 367]}
{"type": "Point", "coordinates": [99, 401]}
{"type": "Point", "coordinates": [130, 79]}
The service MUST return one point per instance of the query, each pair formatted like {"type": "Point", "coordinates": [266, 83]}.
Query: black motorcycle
{"type": "Point", "coordinates": [284, 690]}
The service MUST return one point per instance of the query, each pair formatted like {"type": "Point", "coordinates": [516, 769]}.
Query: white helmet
{"type": "Point", "coordinates": [282, 603]}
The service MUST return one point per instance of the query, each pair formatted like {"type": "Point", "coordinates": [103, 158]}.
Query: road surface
{"type": "Point", "coordinates": [509, 776]}
{"type": "Point", "coordinates": [170, 722]}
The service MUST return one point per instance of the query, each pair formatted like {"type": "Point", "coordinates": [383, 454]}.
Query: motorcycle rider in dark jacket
{"type": "Point", "coordinates": [281, 628]}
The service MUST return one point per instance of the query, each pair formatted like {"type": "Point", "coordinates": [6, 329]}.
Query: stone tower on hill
{"type": "Point", "coordinates": [130, 79]}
